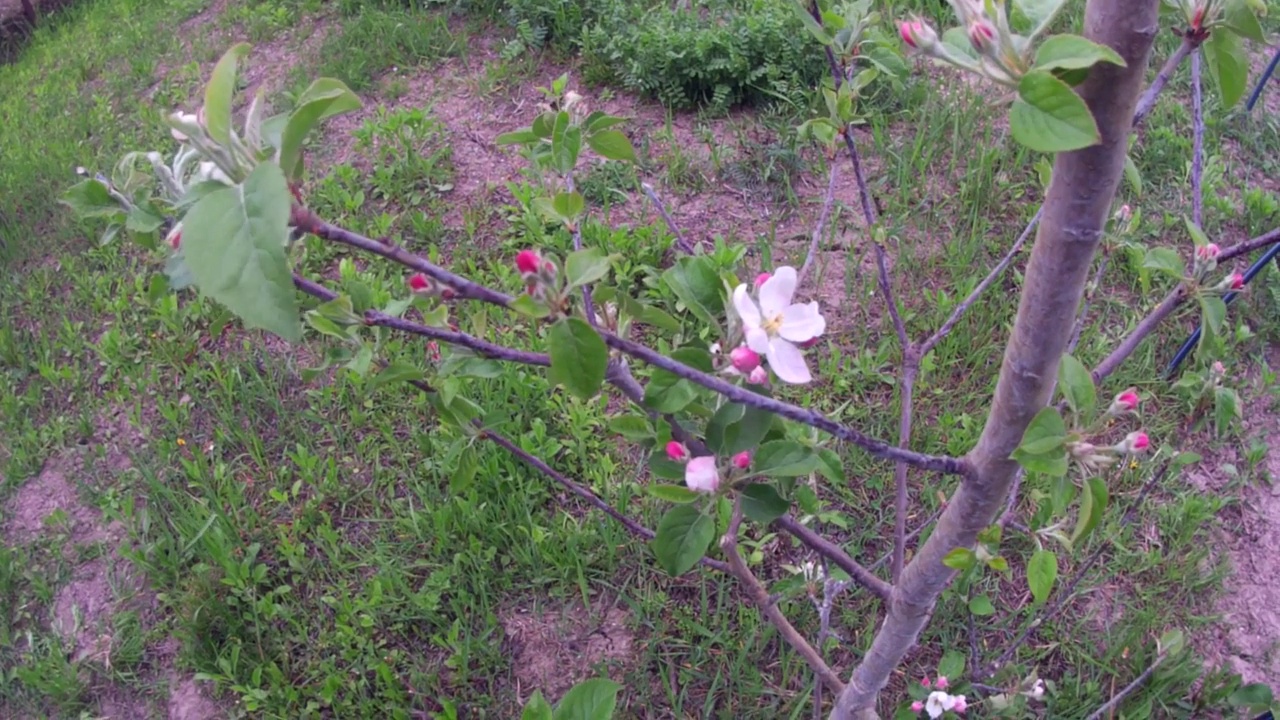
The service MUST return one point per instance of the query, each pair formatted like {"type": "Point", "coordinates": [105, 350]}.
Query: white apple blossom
{"type": "Point", "coordinates": [701, 475]}
{"type": "Point", "coordinates": [775, 325]}
{"type": "Point", "coordinates": [938, 702]}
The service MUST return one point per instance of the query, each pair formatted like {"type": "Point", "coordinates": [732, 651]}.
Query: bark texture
{"type": "Point", "coordinates": [1075, 212]}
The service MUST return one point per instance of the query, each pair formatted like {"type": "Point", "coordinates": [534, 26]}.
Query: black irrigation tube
{"type": "Point", "coordinates": [1262, 82]}
{"type": "Point", "coordinates": [1229, 298]}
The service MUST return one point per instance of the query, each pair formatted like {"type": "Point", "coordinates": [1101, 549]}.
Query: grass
{"type": "Point", "coordinates": [319, 548]}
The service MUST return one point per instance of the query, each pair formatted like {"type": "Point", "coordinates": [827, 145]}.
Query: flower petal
{"type": "Point", "coordinates": [776, 292]}
{"type": "Point", "coordinates": [757, 339]}
{"type": "Point", "coordinates": [746, 307]}
{"type": "Point", "coordinates": [700, 474]}
{"type": "Point", "coordinates": [801, 323]}
{"type": "Point", "coordinates": [787, 362]}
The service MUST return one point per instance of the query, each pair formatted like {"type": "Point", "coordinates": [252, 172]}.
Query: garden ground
{"type": "Point", "coordinates": [182, 500]}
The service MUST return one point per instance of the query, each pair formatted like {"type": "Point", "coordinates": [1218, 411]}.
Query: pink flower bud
{"type": "Point", "coordinates": [917, 34]}
{"type": "Point", "coordinates": [1126, 212]}
{"type": "Point", "coordinates": [1218, 368]}
{"type": "Point", "coordinates": [527, 262]}
{"type": "Point", "coordinates": [906, 29]}
{"type": "Point", "coordinates": [926, 683]}
{"type": "Point", "coordinates": [760, 279]}
{"type": "Point", "coordinates": [942, 682]}
{"type": "Point", "coordinates": [961, 704]}
{"type": "Point", "coordinates": [742, 460]}
{"type": "Point", "coordinates": [1237, 281]}
{"type": "Point", "coordinates": [1205, 253]}
{"type": "Point", "coordinates": [744, 359]}
{"type": "Point", "coordinates": [419, 283]}
{"type": "Point", "coordinates": [1126, 401]}
{"type": "Point", "coordinates": [759, 376]}
{"type": "Point", "coordinates": [676, 451]}
{"type": "Point", "coordinates": [981, 35]}
{"type": "Point", "coordinates": [917, 706]}
{"type": "Point", "coordinates": [808, 343]}
{"type": "Point", "coordinates": [1134, 443]}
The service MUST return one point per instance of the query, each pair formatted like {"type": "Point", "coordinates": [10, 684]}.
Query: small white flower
{"type": "Point", "coordinates": [938, 703]}
{"type": "Point", "coordinates": [701, 475]}
{"type": "Point", "coordinates": [1037, 690]}
{"type": "Point", "coordinates": [775, 325]}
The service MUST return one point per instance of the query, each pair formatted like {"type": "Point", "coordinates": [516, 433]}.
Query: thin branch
{"type": "Point", "coordinates": [1197, 149]}
{"type": "Point", "coordinates": [1128, 689]}
{"type": "Point", "coordinates": [757, 593]}
{"type": "Point", "coordinates": [884, 559]}
{"type": "Point", "coordinates": [900, 469]}
{"type": "Point", "coordinates": [835, 554]}
{"type": "Point", "coordinates": [594, 500]}
{"type": "Point", "coordinates": [1000, 267]}
{"type": "Point", "coordinates": [1083, 315]}
{"type": "Point", "coordinates": [619, 375]}
{"type": "Point", "coordinates": [820, 230]}
{"type": "Point", "coordinates": [1064, 595]}
{"type": "Point", "coordinates": [1147, 102]}
{"type": "Point", "coordinates": [876, 448]}
{"type": "Point", "coordinates": [1140, 333]}
{"type": "Point", "coordinates": [1244, 248]}
{"type": "Point", "coordinates": [483, 348]}
{"type": "Point", "coordinates": [588, 307]}
{"type": "Point", "coordinates": [307, 221]}
{"type": "Point", "coordinates": [681, 243]}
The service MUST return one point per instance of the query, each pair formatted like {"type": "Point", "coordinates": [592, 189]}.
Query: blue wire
{"type": "Point", "coordinates": [1262, 82]}
{"type": "Point", "coordinates": [1249, 274]}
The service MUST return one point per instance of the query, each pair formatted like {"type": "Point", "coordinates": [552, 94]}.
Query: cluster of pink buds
{"type": "Point", "coordinates": [423, 286]}
{"type": "Point", "coordinates": [702, 474]}
{"type": "Point", "coordinates": [939, 701]}
{"type": "Point", "coordinates": [1206, 259]}
{"type": "Point", "coordinates": [538, 273]}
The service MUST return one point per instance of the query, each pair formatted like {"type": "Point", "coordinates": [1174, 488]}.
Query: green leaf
{"type": "Point", "coordinates": [784, 458]}
{"type": "Point", "coordinates": [814, 27]}
{"type": "Point", "coordinates": [1077, 386]}
{"type": "Point", "coordinates": [396, 372]}
{"type": "Point", "coordinates": [1072, 52]}
{"type": "Point", "coordinates": [325, 98]}
{"type": "Point", "coordinates": [569, 205]}
{"type": "Point", "coordinates": [612, 145]}
{"type": "Point", "coordinates": [674, 493]}
{"type": "Point", "coordinates": [599, 120]}
{"type": "Point", "coordinates": [981, 606]}
{"type": "Point", "coordinates": [1042, 571]}
{"type": "Point", "coordinates": [217, 96]}
{"type": "Point", "coordinates": [1038, 12]}
{"type": "Point", "coordinates": [1093, 502]}
{"type": "Point", "coordinates": [762, 503]}
{"type": "Point", "coordinates": [663, 467]}
{"type": "Point", "coordinates": [668, 394]}
{"type": "Point", "coordinates": [635, 428]}
{"type": "Point", "coordinates": [1049, 117]}
{"type": "Point", "coordinates": [141, 221]}
{"type": "Point", "coordinates": [566, 143]}
{"type": "Point", "coordinates": [1166, 261]}
{"type": "Point", "coordinates": [1226, 408]}
{"type": "Point", "coordinates": [830, 465]}
{"type": "Point", "coordinates": [527, 305]}
{"type": "Point", "coordinates": [1256, 696]}
{"type": "Point", "coordinates": [588, 700]}
{"type": "Point", "coordinates": [735, 428]}
{"type": "Point", "coordinates": [537, 708]}
{"type": "Point", "coordinates": [578, 357]}
{"type": "Point", "coordinates": [695, 282]}
{"type": "Point", "coordinates": [1239, 17]}
{"type": "Point", "coordinates": [1215, 313]}
{"type": "Point", "coordinates": [1198, 236]}
{"type": "Point", "coordinates": [1132, 175]}
{"type": "Point", "coordinates": [656, 317]}
{"type": "Point", "coordinates": [952, 664]}
{"type": "Point", "coordinates": [683, 536]}
{"type": "Point", "coordinates": [1045, 432]}
{"type": "Point", "coordinates": [1228, 64]}
{"type": "Point", "coordinates": [233, 243]}
{"type": "Point", "coordinates": [517, 137]}
{"type": "Point", "coordinates": [586, 266]}
{"type": "Point", "coordinates": [339, 310]}
{"type": "Point", "coordinates": [960, 559]}
{"type": "Point", "coordinates": [90, 198]}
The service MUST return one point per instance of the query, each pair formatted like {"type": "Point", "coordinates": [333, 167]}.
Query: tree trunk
{"type": "Point", "coordinates": [1075, 212]}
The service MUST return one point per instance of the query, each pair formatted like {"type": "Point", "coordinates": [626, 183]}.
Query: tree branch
{"type": "Point", "coordinates": [876, 448]}
{"type": "Point", "coordinates": [681, 243]}
{"type": "Point", "coordinates": [832, 179]}
{"type": "Point", "coordinates": [835, 554]}
{"type": "Point", "coordinates": [481, 347]}
{"type": "Point", "coordinates": [1148, 100]}
{"type": "Point", "coordinates": [588, 306]}
{"type": "Point", "coordinates": [594, 500]}
{"type": "Point", "coordinates": [968, 302]}
{"type": "Point", "coordinates": [757, 593]}
{"type": "Point", "coordinates": [1197, 148]}
{"type": "Point", "coordinates": [1128, 689]}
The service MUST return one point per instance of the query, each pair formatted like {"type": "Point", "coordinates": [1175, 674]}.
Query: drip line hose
{"type": "Point", "coordinates": [1230, 297]}
{"type": "Point", "coordinates": [1262, 82]}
